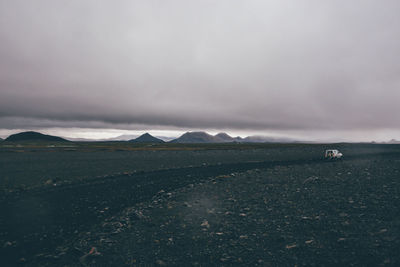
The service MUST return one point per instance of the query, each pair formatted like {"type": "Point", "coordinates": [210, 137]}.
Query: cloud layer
{"type": "Point", "coordinates": [259, 65]}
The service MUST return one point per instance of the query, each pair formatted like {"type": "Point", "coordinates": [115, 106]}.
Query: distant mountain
{"type": "Point", "coordinates": [34, 136]}
{"type": "Point", "coordinates": [129, 137]}
{"type": "Point", "coordinates": [195, 137]}
{"type": "Point", "coordinates": [82, 139]}
{"type": "Point", "coordinates": [146, 138]}
{"type": "Point", "coordinates": [203, 137]}
{"type": "Point", "coordinates": [124, 137]}
{"type": "Point", "coordinates": [266, 139]}
{"type": "Point", "coordinates": [1, 139]}
{"type": "Point", "coordinates": [224, 137]}
{"type": "Point", "coordinates": [165, 138]}
{"type": "Point", "coordinates": [392, 141]}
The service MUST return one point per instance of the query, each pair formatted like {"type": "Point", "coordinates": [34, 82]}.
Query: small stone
{"type": "Point", "coordinates": [161, 262]}
{"type": "Point", "coordinates": [93, 251]}
{"type": "Point", "coordinates": [291, 246]}
{"type": "Point", "coordinates": [205, 224]}
{"type": "Point", "coordinates": [386, 261]}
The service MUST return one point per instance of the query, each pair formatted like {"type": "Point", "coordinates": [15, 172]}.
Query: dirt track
{"type": "Point", "coordinates": [305, 212]}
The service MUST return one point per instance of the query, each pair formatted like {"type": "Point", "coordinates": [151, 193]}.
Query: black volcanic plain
{"type": "Point", "coordinates": [128, 204]}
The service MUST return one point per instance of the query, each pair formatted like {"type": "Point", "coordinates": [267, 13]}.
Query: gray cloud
{"type": "Point", "coordinates": [261, 65]}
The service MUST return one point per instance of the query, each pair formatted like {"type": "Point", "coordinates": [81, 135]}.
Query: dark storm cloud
{"type": "Point", "coordinates": [231, 64]}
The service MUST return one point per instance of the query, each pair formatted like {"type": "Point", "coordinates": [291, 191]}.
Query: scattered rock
{"type": "Point", "coordinates": [311, 179]}
{"type": "Point", "coordinates": [49, 182]}
{"type": "Point", "coordinates": [205, 224]}
{"type": "Point", "coordinates": [161, 262]}
{"type": "Point", "coordinates": [291, 246]}
{"type": "Point", "coordinates": [382, 231]}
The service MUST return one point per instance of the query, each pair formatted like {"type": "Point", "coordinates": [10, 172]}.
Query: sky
{"type": "Point", "coordinates": [306, 69]}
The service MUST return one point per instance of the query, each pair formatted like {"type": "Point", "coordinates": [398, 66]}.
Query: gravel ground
{"type": "Point", "coordinates": [341, 213]}
{"type": "Point", "coordinates": [276, 213]}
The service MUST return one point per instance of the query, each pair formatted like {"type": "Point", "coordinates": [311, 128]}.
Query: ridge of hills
{"type": "Point", "coordinates": [188, 137]}
{"type": "Point", "coordinates": [203, 137]}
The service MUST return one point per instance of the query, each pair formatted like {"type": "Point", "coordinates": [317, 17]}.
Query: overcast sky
{"type": "Point", "coordinates": [308, 68]}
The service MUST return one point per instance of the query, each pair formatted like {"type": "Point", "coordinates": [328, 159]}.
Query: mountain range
{"type": "Point", "coordinates": [203, 137]}
{"type": "Point", "coordinates": [188, 137]}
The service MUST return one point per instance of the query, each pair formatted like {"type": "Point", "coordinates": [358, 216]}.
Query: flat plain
{"type": "Point", "coordinates": [123, 204]}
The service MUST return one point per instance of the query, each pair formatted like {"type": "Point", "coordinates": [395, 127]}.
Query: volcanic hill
{"type": "Point", "coordinates": [34, 136]}
{"type": "Point", "coordinates": [146, 138]}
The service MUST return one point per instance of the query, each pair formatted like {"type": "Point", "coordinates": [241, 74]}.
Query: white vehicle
{"type": "Point", "coordinates": [333, 154]}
